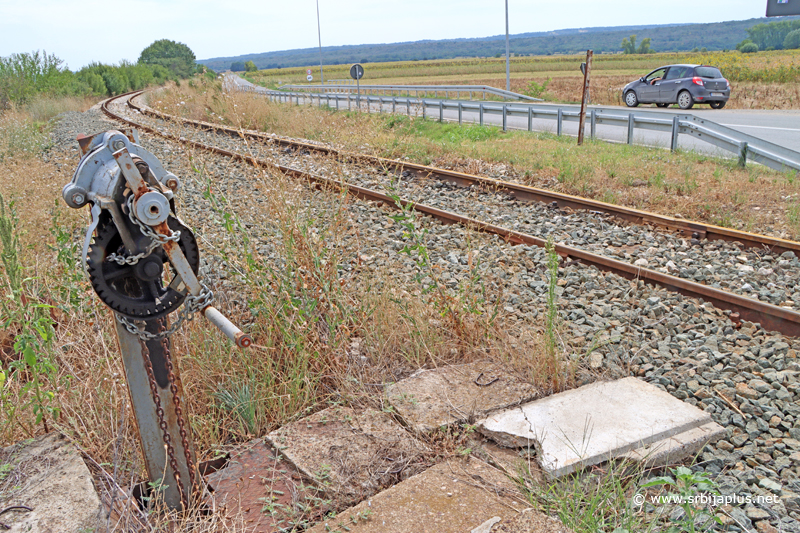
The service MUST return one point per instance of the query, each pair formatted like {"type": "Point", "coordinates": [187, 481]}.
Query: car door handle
{"type": "Point", "coordinates": [676, 82]}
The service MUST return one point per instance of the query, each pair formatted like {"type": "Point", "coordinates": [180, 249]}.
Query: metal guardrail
{"type": "Point", "coordinates": [746, 147]}
{"type": "Point", "coordinates": [416, 89]}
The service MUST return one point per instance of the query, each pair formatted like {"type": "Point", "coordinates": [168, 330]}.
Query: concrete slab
{"type": "Point", "coordinates": [455, 394]}
{"type": "Point", "coordinates": [592, 424]}
{"type": "Point", "coordinates": [530, 521]}
{"type": "Point", "coordinates": [456, 496]}
{"type": "Point", "coordinates": [48, 475]}
{"type": "Point", "coordinates": [676, 448]}
{"type": "Point", "coordinates": [259, 492]}
{"type": "Point", "coordinates": [350, 455]}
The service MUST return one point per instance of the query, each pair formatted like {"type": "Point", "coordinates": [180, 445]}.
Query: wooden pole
{"type": "Point", "coordinates": [584, 100]}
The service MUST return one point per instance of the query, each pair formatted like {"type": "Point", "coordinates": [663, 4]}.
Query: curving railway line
{"type": "Point", "coordinates": [492, 206]}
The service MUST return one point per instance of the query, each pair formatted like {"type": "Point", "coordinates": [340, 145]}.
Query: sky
{"type": "Point", "coordinates": [93, 30]}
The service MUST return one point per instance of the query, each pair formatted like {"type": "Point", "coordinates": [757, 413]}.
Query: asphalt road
{"type": "Point", "coordinates": [779, 127]}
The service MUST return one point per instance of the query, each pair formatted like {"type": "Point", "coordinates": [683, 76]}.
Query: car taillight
{"type": "Point", "coordinates": [697, 81]}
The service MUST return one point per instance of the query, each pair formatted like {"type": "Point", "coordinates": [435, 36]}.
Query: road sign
{"type": "Point", "coordinates": [357, 71]}
{"type": "Point", "coordinates": [583, 68]}
{"type": "Point", "coordinates": [309, 77]}
{"type": "Point", "coordinates": [308, 72]}
{"type": "Point", "coordinates": [781, 8]}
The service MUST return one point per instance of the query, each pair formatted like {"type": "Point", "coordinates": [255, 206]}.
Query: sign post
{"type": "Point", "coordinates": [586, 68]}
{"type": "Point", "coordinates": [357, 72]}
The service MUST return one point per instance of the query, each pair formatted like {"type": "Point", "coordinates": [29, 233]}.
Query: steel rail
{"type": "Point", "coordinates": [771, 317]}
{"type": "Point", "coordinates": [689, 228]}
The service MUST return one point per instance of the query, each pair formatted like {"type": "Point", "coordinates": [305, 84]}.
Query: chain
{"type": "Point", "coordinates": [133, 259]}
{"type": "Point", "coordinates": [192, 305]}
{"type": "Point", "coordinates": [173, 463]}
{"type": "Point", "coordinates": [173, 386]}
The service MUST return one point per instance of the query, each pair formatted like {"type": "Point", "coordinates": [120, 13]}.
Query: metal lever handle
{"type": "Point", "coordinates": [242, 339]}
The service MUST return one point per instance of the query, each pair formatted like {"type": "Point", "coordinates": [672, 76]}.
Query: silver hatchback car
{"type": "Point", "coordinates": [684, 85]}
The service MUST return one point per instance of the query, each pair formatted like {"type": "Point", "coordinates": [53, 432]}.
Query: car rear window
{"type": "Point", "coordinates": [708, 72]}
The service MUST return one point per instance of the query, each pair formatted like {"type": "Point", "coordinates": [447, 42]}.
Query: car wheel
{"type": "Point", "coordinates": [662, 105]}
{"type": "Point", "coordinates": [685, 100]}
{"type": "Point", "coordinates": [717, 105]}
{"type": "Point", "coordinates": [631, 99]}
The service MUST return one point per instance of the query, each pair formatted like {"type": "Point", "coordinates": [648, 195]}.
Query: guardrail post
{"type": "Point", "coordinates": [530, 118]}
{"type": "Point", "coordinates": [441, 111]}
{"type": "Point", "coordinates": [408, 106]}
{"type": "Point", "coordinates": [505, 117]}
{"type": "Point", "coordinates": [742, 154]}
{"type": "Point", "coordinates": [593, 124]}
{"type": "Point", "coordinates": [394, 104]}
{"type": "Point", "coordinates": [423, 109]}
{"type": "Point", "coordinates": [484, 94]}
{"type": "Point", "coordinates": [460, 112]}
{"type": "Point", "coordinates": [480, 113]}
{"type": "Point", "coordinates": [676, 123]}
{"type": "Point", "coordinates": [349, 108]}
{"type": "Point", "coordinates": [560, 121]}
{"type": "Point", "coordinates": [631, 123]}
{"type": "Point", "coordinates": [337, 102]}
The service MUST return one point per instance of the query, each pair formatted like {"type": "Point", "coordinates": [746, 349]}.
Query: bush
{"type": "Point", "coordinates": [176, 57]}
{"type": "Point", "coordinates": [250, 66]}
{"type": "Point", "coordinates": [792, 40]}
{"type": "Point", "coordinates": [238, 66]}
{"type": "Point", "coordinates": [749, 48]}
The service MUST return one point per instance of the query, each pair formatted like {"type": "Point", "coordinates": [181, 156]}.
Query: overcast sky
{"type": "Point", "coordinates": [93, 30]}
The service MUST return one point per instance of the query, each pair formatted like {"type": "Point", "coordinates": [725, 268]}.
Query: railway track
{"type": "Point", "coordinates": [308, 162]}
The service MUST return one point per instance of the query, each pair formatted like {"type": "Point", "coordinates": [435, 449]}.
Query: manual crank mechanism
{"type": "Point", "coordinates": [142, 261]}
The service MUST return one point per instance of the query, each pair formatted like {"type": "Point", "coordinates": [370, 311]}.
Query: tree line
{"type": "Point", "coordinates": [778, 35]}
{"type": "Point", "coordinates": [687, 37]}
{"type": "Point", "coordinates": [25, 76]}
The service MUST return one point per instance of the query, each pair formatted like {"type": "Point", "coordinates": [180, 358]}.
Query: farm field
{"type": "Point", "coordinates": [766, 80]}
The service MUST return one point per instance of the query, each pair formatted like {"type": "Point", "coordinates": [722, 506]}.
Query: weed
{"type": "Point", "coordinates": [687, 486]}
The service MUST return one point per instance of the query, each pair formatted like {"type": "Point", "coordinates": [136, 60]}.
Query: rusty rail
{"type": "Point", "coordinates": [771, 317]}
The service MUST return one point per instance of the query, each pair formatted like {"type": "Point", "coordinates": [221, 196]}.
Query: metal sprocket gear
{"type": "Point", "coordinates": [139, 291]}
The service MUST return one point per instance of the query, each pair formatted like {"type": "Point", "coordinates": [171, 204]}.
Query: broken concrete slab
{"type": "Point", "coordinates": [48, 475]}
{"type": "Point", "coordinates": [592, 424]}
{"type": "Point", "coordinates": [455, 394]}
{"type": "Point", "coordinates": [678, 447]}
{"type": "Point", "coordinates": [350, 455]}
{"type": "Point", "coordinates": [456, 496]}
{"type": "Point", "coordinates": [262, 493]}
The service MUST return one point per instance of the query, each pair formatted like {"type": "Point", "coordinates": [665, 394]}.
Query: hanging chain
{"type": "Point", "coordinates": [176, 399]}
{"type": "Point", "coordinates": [173, 462]}
{"type": "Point", "coordinates": [192, 305]}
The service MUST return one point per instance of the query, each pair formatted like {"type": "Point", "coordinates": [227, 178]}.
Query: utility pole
{"type": "Point", "coordinates": [508, 60]}
{"type": "Point", "coordinates": [319, 34]}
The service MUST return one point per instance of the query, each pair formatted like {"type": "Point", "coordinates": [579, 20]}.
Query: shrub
{"type": "Point", "coordinates": [749, 48]}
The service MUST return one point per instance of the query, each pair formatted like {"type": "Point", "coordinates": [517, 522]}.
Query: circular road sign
{"type": "Point", "coordinates": [309, 77]}
{"type": "Point", "coordinates": [308, 72]}
{"type": "Point", "coordinates": [357, 71]}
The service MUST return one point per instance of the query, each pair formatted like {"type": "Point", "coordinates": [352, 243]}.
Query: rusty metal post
{"type": "Point", "coordinates": [586, 72]}
{"type": "Point", "coordinates": [151, 434]}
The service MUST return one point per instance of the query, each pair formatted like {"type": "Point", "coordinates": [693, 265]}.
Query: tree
{"type": "Point", "coordinates": [629, 45]}
{"type": "Point", "coordinates": [792, 40]}
{"type": "Point", "coordinates": [238, 66]}
{"type": "Point", "coordinates": [176, 57]}
{"type": "Point", "coordinates": [250, 66]}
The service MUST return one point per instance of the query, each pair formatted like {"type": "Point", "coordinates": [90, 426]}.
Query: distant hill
{"type": "Point", "coordinates": [665, 38]}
